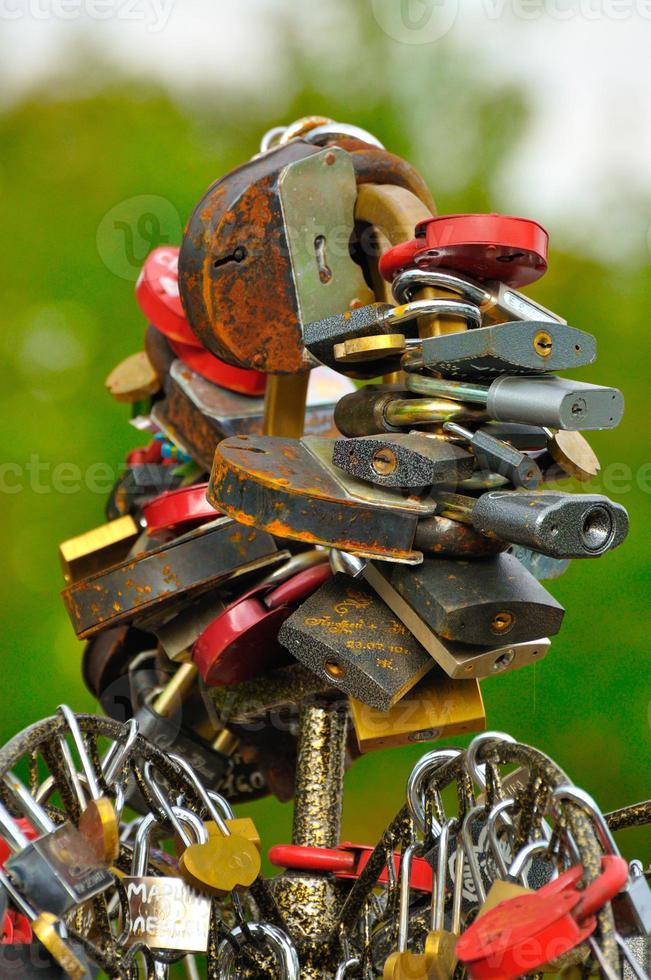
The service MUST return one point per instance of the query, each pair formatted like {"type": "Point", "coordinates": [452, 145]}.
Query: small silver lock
{"type": "Point", "coordinates": [58, 870]}
{"type": "Point", "coordinates": [164, 912]}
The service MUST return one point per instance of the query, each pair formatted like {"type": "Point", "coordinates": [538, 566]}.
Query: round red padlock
{"type": "Point", "coordinates": [483, 246]}
{"type": "Point", "coordinates": [177, 509]}
{"type": "Point", "coordinates": [524, 933]}
{"type": "Point", "coordinates": [241, 380]}
{"type": "Point", "coordinates": [157, 293]}
{"type": "Point", "coordinates": [243, 640]}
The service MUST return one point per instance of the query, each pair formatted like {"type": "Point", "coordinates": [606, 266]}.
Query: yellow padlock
{"type": "Point", "coordinates": [220, 865]}
{"type": "Point", "coordinates": [240, 826]}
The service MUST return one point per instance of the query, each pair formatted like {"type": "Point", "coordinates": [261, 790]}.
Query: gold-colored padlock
{"type": "Point", "coordinates": [574, 454]}
{"type": "Point", "coordinates": [436, 706]}
{"type": "Point", "coordinates": [373, 348]}
{"type": "Point", "coordinates": [44, 927]}
{"type": "Point", "coordinates": [100, 826]}
{"type": "Point", "coordinates": [98, 548]}
{"type": "Point", "coordinates": [221, 864]}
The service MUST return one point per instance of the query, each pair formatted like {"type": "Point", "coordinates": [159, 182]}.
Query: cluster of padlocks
{"type": "Point", "coordinates": [300, 567]}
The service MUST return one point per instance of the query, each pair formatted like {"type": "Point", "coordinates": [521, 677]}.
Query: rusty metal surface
{"type": "Point", "coordinates": [279, 486]}
{"type": "Point", "coordinates": [446, 538]}
{"type": "Point", "coordinates": [149, 587]}
{"type": "Point", "coordinates": [235, 275]}
{"type": "Point", "coordinates": [197, 414]}
{"type": "Point", "coordinates": [479, 602]}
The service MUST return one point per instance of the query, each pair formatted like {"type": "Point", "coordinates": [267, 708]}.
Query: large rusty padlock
{"type": "Point", "coordinates": [267, 249]}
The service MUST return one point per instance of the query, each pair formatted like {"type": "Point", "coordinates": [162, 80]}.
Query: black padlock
{"type": "Point", "coordinates": [409, 460]}
{"type": "Point", "coordinates": [480, 601]}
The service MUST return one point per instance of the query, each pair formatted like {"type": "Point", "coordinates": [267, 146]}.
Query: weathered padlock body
{"type": "Point", "coordinates": [291, 489]}
{"type": "Point", "coordinates": [405, 460]}
{"type": "Point", "coordinates": [348, 637]}
{"type": "Point", "coordinates": [266, 250]}
{"type": "Point", "coordinates": [150, 587]}
{"type": "Point", "coordinates": [481, 601]}
{"type": "Point", "coordinates": [509, 348]}
{"type": "Point", "coordinates": [460, 660]}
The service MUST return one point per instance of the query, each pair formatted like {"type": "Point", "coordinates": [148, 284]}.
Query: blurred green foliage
{"type": "Point", "coordinates": [90, 141]}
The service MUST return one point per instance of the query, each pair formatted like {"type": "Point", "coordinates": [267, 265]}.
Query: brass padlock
{"type": "Point", "coordinates": [100, 548]}
{"type": "Point", "coordinates": [435, 708]}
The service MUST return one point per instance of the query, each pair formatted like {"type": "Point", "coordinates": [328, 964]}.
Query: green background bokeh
{"type": "Point", "coordinates": [91, 144]}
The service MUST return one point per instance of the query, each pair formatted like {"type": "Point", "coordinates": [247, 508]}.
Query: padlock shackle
{"type": "Point", "coordinates": [470, 851]}
{"type": "Point", "coordinates": [36, 814]}
{"type": "Point", "coordinates": [141, 843]}
{"type": "Point", "coordinates": [78, 742]}
{"type": "Point", "coordinates": [568, 793]}
{"type": "Point", "coordinates": [205, 797]}
{"type": "Point", "coordinates": [423, 771]}
{"type": "Point", "coordinates": [263, 932]}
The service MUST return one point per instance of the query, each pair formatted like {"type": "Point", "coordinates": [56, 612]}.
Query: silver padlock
{"type": "Point", "coordinates": [548, 401]}
{"type": "Point", "coordinates": [165, 913]}
{"type": "Point", "coordinates": [561, 525]}
{"type": "Point", "coordinates": [508, 348]}
{"type": "Point", "coordinates": [632, 906]}
{"type": "Point", "coordinates": [59, 870]}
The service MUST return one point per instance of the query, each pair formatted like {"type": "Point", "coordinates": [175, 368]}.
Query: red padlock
{"type": "Point", "coordinates": [153, 453]}
{"type": "Point", "coordinates": [483, 246]}
{"type": "Point", "coordinates": [157, 292]}
{"type": "Point", "coordinates": [242, 641]}
{"type": "Point", "coordinates": [179, 510]}
{"type": "Point", "coordinates": [16, 929]}
{"type": "Point", "coordinates": [524, 933]}
{"type": "Point", "coordinates": [347, 861]}
{"type": "Point", "coordinates": [29, 832]}
{"type": "Point", "coordinates": [242, 380]}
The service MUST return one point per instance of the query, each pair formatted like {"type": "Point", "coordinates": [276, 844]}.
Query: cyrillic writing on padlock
{"type": "Point", "coordinates": [347, 635]}
{"type": "Point", "coordinates": [166, 913]}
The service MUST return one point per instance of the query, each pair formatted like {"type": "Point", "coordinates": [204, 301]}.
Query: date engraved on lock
{"type": "Point", "coordinates": [165, 913]}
